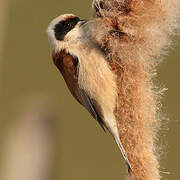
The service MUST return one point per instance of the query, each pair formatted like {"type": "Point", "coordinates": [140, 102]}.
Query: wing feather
{"type": "Point", "coordinates": [89, 105]}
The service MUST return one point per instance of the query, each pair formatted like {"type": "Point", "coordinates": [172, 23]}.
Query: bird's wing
{"type": "Point", "coordinates": [91, 107]}
{"type": "Point", "coordinates": [68, 66]}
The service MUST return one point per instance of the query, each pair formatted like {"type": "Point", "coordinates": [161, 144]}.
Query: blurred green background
{"type": "Point", "coordinates": [85, 151]}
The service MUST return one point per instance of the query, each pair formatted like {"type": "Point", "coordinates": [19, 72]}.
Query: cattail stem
{"type": "Point", "coordinates": [137, 120]}
{"type": "Point", "coordinates": [133, 34]}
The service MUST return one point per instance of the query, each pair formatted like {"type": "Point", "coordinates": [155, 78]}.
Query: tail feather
{"type": "Point", "coordinates": [113, 130]}
{"type": "Point", "coordinates": [118, 141]}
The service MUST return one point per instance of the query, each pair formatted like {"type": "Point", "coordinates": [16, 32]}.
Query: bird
{"type": "Point", "coordinates": [86, 71]}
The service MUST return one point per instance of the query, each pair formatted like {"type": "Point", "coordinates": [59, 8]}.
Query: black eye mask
{"type": "Point", "coordinates": [63, 27]}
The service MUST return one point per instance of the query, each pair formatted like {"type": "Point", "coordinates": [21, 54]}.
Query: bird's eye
{"type": "Point", "coordinates": [63, 27]}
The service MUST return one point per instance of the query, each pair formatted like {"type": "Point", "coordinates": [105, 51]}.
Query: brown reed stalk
{"type": "Point", "coordinates": [29, 143]}
{"type": "Point", "coordinates": [3, 8]}
{"type": "Point", "coordinates": [133, 34]}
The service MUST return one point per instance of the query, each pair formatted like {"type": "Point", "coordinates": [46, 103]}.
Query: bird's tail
{"type": "Point", "coordinates": [111, 125]}
{"type": "Point", "coordinates": [118, 141]}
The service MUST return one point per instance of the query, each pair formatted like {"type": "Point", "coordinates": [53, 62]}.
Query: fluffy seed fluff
{"type": "Point", "coordinates": [133, 34]}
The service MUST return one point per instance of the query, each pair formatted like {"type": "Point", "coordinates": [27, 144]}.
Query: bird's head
{"type": "Point", "coordinates": [65, 31]}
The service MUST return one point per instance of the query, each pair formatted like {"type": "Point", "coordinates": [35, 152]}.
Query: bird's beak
{"type": "Point", "coordinates": [81, 22]}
